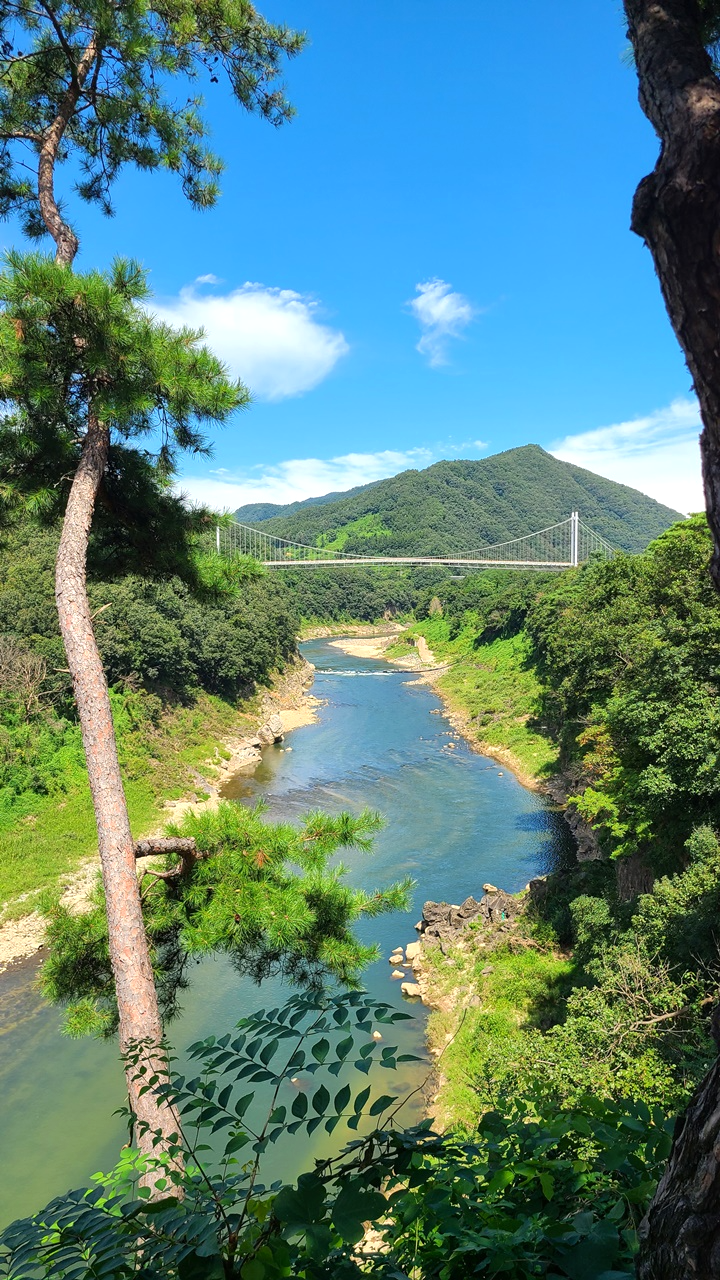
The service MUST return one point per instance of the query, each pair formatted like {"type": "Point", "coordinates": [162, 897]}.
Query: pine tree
{"type": "Point", "coordinates": [86, 372]}
{"type": "Point", "coordinates": [84, 368]}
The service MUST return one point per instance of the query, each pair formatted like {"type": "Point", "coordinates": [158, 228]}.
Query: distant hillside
{"type": "Point", "coordinates": [456, 506]}
{"type": "Point", "coordinates": [256, 512]}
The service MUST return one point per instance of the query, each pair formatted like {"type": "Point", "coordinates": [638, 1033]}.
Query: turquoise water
{"type": "Point", "coordinates": [454, 820]}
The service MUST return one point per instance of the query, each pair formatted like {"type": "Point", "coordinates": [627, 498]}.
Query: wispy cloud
{"type": "Point", "coordinates": [442, 315]}
{"type": "Point", "coordinates": [657, 454]}
{"type": "Point", "coordinates": [298, 478]}
{"type": "Point", "coordinates": [271, 338]}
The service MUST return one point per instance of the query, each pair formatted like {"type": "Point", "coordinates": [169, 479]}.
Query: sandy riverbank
{"type": "Point", "coordinates": [421, 658]}
{"type": "Point", "coordinates": [287, 697]}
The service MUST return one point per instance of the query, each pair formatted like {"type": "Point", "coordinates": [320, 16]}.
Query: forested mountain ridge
{"type": "Point", "coordinates": [255, 512]}
{"type": "Point", "coordinates": [458, 505]}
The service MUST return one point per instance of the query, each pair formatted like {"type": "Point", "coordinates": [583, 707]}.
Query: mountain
{"type": "Point", "coordinates": [256, 512]}
{"type": "Point", "coordinates": [457, 506]}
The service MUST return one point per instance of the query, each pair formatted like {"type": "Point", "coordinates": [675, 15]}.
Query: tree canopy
{"type": "Point", "coordinates": [93, 84]}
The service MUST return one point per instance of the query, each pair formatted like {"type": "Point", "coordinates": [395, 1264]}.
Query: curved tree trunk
{"type": "Point", "coordinates": [136, 994]}
{"type": "Point", "coordinates": [676, 211]}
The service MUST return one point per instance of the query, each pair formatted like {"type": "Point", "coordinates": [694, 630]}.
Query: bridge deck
{"type": "Point", "coordinates": [498, 564]}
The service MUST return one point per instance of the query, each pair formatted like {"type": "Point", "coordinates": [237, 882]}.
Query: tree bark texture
{"type": "Point", "coordinates": [132, 971]}
{"type": "Point", "coordinates": [680, 1235]}
{"type": "Point", "coordinates": [676, 209]}
{"type": "Point", "coordinates": [66, 242]}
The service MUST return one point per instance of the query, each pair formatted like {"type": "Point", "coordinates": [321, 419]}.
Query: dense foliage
{"type": "Point", "coordinates": [368, 595]}
{"type": "Point", "coordinates": [178, 658]}
{"type": "Point", "coordinates": [456, 506]}
{"type": "Point", "coordinates": [528, 1194]}
{"type": "Point", "coordinates": [626, 658]}
{"type": "Point", "coordinates": [617, 666]}
{"type": "Point", "coordinates": [265, 894]}
{"type": "Point", "coordinates": [122, 63]}
{"type": "Point", "coordinates": [629, 653]}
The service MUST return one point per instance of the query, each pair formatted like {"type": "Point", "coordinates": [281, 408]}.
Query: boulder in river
{"type": "Point", "coordinates": [412, 990]}
{"type": "Point", "coordinates": [271, 731]}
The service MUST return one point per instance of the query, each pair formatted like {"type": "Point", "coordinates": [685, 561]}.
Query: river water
{"type": "Point", "coordinates": [454, 819]}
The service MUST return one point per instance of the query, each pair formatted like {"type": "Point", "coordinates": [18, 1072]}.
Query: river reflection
{"type": "Point", "coordinates": [454, 820]}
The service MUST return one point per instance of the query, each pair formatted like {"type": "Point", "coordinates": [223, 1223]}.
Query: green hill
{"type": "Point", "coordinates": [256, 512]}
{"type": "Point", "coordinates": [456, 506]}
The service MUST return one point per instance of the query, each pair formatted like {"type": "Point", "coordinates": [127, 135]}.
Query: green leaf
{"type": "Point", "coordinates": [321, 1100]}
{"type": "Point", "coordinates": [360, 1101]}
{"type": "Point", "coordinates": [355, 1205]}
{"type": "Point", "coordinates": [382, 1103]}
{"type": "Point", "coordinates": [253, 1270]}
{"type": "Point", "coordinates": [268, 1053]}
{"type": "Point", "coordinates": [300, 1106]}
{"type": "Point", "coordinates": [302, 1206]}
{"type": "Point", "coordinates": [503, 1178]}
{"type": "Point", "coordinates": [342, 1097]}
{"type": "Point", "coordinates": [240, 1140]}
{"type": "Point", "coordinates": [320, 1050]}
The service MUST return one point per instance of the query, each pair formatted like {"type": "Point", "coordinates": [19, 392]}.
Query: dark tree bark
{"type": "Point", "coordinates": [676, 211]}
{"type": "Point", "coordinates": [680, 1235]}
{"type": "Point", "coordinates": [134, 984]}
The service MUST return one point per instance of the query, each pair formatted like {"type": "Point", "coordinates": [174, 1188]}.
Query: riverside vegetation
{"type": "Point", "coordinates": [603, 684]}
{"type": "Point", "coordinates": [178, 659]}
{"type": "Point", "coordinates": [552, 1182]}
{"type": "Point", "coordinates": [583, 1029]}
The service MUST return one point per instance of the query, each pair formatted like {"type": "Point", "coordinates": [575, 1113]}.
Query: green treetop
{"type": "Point", "coordinates": [92, 83]}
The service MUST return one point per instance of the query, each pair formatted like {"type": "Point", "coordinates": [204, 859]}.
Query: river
{"type": "Point", "coordinates": [454, 819]}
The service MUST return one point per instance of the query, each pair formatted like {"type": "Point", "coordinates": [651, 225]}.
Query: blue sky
{"type": "Point", "coordinates": [485, 152]}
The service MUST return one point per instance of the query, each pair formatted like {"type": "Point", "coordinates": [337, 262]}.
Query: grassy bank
{"type": "Point", "coordinates": [45, 835]}
{"type": "Point", "coordinates": [492, 693]}
{"type": "Point", "coordinates": [485, 1002]}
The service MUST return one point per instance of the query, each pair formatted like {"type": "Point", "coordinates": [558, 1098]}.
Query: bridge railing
{"type": "Point", "coordinates": [559, 546]}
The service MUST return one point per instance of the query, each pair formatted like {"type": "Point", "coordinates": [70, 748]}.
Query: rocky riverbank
{"type": "Point", "coordinates": [285, 705]}
{"type": "Point", "coordinates": [479, 923]}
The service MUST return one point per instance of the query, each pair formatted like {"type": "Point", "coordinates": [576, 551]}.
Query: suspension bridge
{"type": "Point", "coordinates": [563, 545]}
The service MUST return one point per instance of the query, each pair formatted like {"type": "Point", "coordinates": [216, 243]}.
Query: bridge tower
{"type": "Point", "coordinates": [574, 538]}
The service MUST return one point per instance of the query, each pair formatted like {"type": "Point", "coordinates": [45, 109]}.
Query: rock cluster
{"type": "Point", "coordinates": [443, 920]}
{"type": "Point", "coordinates": [247, 754]}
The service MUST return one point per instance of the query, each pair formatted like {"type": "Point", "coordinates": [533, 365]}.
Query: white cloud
{"type": "Point", "coordinates": [657, 454]}
{"type": "Point", "coordinates": [300, 478]}
{"type": "Point", "coordinates": [208, 279]}
{"type": "Point", "coordinates": [271, 338]}
{"type": "Point", "coordinates": [442, 315]}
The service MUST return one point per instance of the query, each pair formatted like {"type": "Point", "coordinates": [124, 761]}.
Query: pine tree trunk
{"type": "Point", "coordinates": [677, 213]}
{"type": "Point", "coordinates": [680, 1235]}
{"type": "Point", "coordinates": [135, 988]}
{"type": "Point", "coordinates": [676, 209]}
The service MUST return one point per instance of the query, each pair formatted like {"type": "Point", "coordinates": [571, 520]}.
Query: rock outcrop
{"type": "Point", "coordinates": [271, 731]}
{"type": "Point", "coordinates": [444, 920]}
